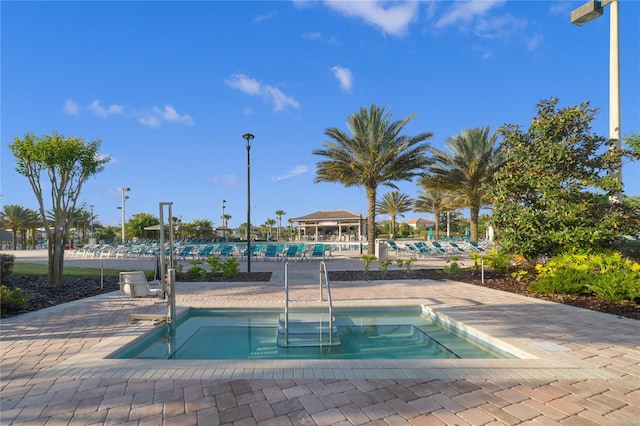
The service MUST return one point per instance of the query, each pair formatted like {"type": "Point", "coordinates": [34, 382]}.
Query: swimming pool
{"type": "Point", "coordinates": [382, 333]}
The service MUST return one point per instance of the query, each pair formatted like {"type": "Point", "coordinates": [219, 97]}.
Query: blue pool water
{"type": "Point", "coordinates": [398, 333]}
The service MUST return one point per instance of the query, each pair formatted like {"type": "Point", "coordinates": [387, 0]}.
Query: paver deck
{"type": "Point", "coordinates": [578, 367]}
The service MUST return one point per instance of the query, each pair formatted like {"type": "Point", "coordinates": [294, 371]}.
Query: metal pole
{"type": "Point", "coordinates": [614, 87]}
{"type": "Point", "coordinates": [248, 210]}
{"type": "Point", "coordinates": [122, 223]}
{"type": "Point", "coordinates": [248, 137]}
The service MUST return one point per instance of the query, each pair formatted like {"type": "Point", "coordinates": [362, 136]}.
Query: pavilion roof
{"type": "Point", "coordinates": [327, 215]}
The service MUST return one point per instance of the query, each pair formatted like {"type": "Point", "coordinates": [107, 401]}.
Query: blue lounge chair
{"type": "Point", "coordinates": [291, 252]}
{"type": "Point", "coordinates": [318, 251]}
{"type": "Point", "coordinates": [271, 253]}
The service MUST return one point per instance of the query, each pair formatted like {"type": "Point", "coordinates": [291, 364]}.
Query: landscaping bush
{"type": "Point", "coordinates": [11, 300]}
{"type": "Point", "coordinates": [6, 267]}
{"type": "Point", "coordinates": [607, 274]}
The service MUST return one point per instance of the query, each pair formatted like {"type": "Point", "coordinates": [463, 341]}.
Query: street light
{"type": "Point", "coordinates": [224, 226]}
{"type": "Point", "coordinates": [580, 16]}
{"type": "Point", "coordinates": [248, 137]}
{"type": "Point", "coordinates": [124, 197]}
{"type": "Point", "coordinates": [91, 207]}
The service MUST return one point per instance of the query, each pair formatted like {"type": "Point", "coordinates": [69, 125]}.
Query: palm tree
{"type": "Point", "coordinates": [394, 204]}
{"type": "Point", "coordinates": [436, 201]}
{"type": "Point", "coordinates": [15, 218]}
{"type": "Point", "coordinates": [467, 169]}
{"type": "Point", "coordinates": [269, 223]}
{"type": "Point", "coordinates": [376, 154]}
{"type": "Point", "coordinates": [290, 220]}
{"type": "Point", "coordinates": [280, 213]}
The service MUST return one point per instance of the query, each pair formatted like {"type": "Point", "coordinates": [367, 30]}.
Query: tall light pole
{"type": "Point", "coordinates": [580, 16]}
{"type": "Point", "coordinates": [224, 226]}
{"type": "Point", "coordinates": [91, 207]}
{"type": "Point", "coordinates": [248, 137]}
{"type": "Point", "coordinates": [124, 197]}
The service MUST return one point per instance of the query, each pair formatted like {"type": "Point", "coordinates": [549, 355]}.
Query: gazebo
{"type": "Point", "coordinates": [330, 225]}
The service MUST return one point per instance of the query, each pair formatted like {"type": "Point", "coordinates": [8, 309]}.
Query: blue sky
{"type": "Point", "coordinates": [171, 87]}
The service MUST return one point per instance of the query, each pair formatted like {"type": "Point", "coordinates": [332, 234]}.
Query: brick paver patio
{"type": "Point", "coordinates": [581, 367]}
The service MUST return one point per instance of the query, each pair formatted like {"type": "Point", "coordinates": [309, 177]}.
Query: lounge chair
{"type": "Point", "coordinates": [271, 252]}
{"type": "Point", "coordinates": [135, 284]}
{"type": "Point", "coordinates": [291, 252]}
{"type": "Point", "coordinates": [318, 251]}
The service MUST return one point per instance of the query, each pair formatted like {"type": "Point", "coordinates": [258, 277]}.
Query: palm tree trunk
{"type": "Point", "coordinates": [436, 213]}
{"type": "Point", "coordinates": [371, 221]}
{"type": "Point", "coordinates": [474, 213]}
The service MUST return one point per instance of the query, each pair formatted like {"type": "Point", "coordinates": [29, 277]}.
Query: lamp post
{"type": "Point", "coordinates": [580, 16]}
{"type": "Point", "coordinates": [224, 226]}
{"type": "Point", "coordinates": [91, 207]}
{"type": "Point", "coordinates": [248, 137]}
{"type": "Point", "coordinates": [124, 197]}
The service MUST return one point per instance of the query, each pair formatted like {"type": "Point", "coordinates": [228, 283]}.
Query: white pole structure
{"type": "Point", "coordinates": [124, 197]}
{"type": "Point", "coordinates": [580, 16]}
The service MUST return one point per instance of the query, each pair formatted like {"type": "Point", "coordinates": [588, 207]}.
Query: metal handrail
{"type": "Point", "coordinates": [286, 303]}
{"type": "Point", "coordinates": [323, 267]}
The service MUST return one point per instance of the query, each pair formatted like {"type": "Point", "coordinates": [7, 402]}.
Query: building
{"type": "Point", "coordinates": [420, 224]}
{"type": "Point", "coordinates": [331, 225]}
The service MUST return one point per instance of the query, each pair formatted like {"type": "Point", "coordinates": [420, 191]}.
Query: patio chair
{"type": "Point", "coordinates": [135, 284]}
{"type": "Point", "coordinates": [318, 251]}
{"type": "Point", "coordinates": [271, 252]}
{"type": "Point", "coordinates": [291, 252]}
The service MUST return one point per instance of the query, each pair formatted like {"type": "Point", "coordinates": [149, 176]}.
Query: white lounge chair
{"type": "Point", "coordinates": [135, 284]}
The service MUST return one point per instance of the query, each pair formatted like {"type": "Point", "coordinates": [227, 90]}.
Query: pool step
{"type": "Point", "coordinates": [307, 330]}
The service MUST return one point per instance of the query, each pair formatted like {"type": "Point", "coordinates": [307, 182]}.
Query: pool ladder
{"type": "Point", "coordinates": [298, 329]}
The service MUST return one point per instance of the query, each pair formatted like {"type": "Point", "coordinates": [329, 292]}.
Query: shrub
{"type": "Point", "coordinates": [384, 265]}
{"type": "Point", "coordinates": [11, 300]}
{"type": "Point", "coordinates": [616, 285]}
{"type": "Point", "coordinates": [231, 267]}
{"type": "Point", "coordinates": [607, 274]}
{"type": "Point", "coordinates": [6, 267]}
{"type": "Point", "coordinates": [367, 261]}
{"type": "Point", "coordinates": [562, 281]}
{"type": "Point", "coordinates": [497, 261]}
{"type": "Point", "coordinates": [452, 267]}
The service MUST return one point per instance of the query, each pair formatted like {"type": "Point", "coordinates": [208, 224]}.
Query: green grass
{"type": "Point", "coordinates": [22, 268]}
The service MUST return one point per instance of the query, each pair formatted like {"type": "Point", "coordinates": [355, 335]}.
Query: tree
{"type": "Point", "coordinates": [376, 154]}
{"type": "Point", "coordinates": [467, 170]}
{"type": "Point", "coordinates": [280, 213]}
{"type": "Point", "coordinates": [108, 233]}
{"type": "Point", "coordinates": [552, 193]}
{"type": "Point", "coordinates": [68, 163]}
{"type": "Point", "coordinates": [269, 223]}
{"type": "Point", "coordinates": [394, 204]}
{"type": "Point", "coordinates": [136, 224]}
{"type": "Point", "coordinates": [436, 201]}
{"type": "Point", "coordinates": [16, 218]}
{"type": "Point", "coordinates": [632, 140]}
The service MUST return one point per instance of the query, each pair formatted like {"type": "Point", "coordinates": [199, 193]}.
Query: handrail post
{"type": "Point", "coordinates": [286, 303]}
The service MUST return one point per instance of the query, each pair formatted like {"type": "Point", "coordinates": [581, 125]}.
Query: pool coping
{"type": "Point", "coordinates": [540, 359]}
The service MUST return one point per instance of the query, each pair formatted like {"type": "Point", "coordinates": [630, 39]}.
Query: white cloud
{"type": "Point", "coordinates": [466, 11]}
{"type": "Point", "coordinates": [312, 36]}
{"type": "Point", "coordinates": [560, 8]}
{"type": "Point", "coordinates": [227, 180]}
{"type": "Point", "coordinates": [71, 107]}
{"type": "Point", "coordinates": [156, 116]}
{"type": "Point", "coordinates": [101, 111]}
{"type": "Point", "coordinates": [265, 16]}
{"type": "Point", "coordinates": [389, 17]}
{"type": "Point", "coordinates": [344, 76]}
{"type": "Point", "coordinates": [499, 27]}
{"type": "Point", "coordinates": [296, 171]}
{"type": "Point", "coordinates": [247, 111]}
{"type": "Point", "coordinates": [533, 42]}
{"type": "Point", "coordinates": [271, 94]}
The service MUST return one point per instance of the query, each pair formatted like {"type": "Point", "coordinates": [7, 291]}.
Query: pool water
{"type": "Point", "coordinates": [398, 333]}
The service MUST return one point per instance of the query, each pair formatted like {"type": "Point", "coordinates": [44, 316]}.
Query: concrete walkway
{"type": "Point", "coordinates": [577, 367]}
